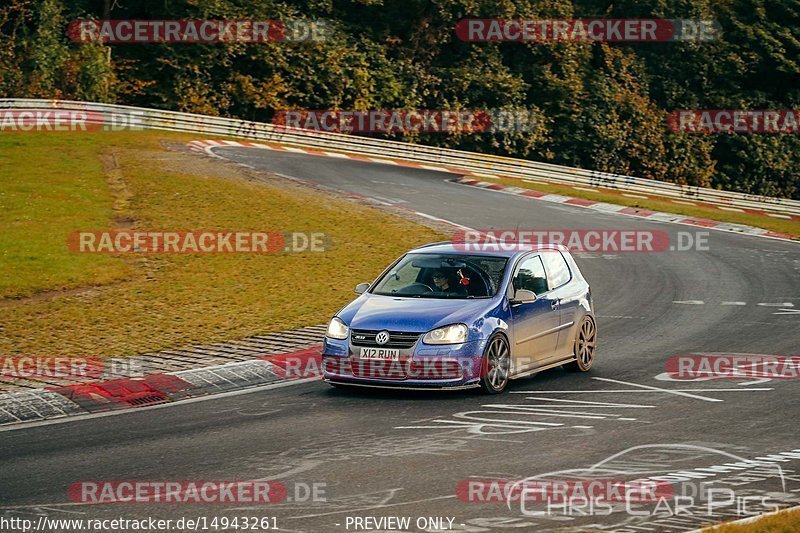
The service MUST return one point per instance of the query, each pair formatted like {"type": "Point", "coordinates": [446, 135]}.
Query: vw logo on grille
{"type": "Point", "coordinates": [382, 338]}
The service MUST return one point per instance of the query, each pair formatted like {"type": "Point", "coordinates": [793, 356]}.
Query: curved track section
{"type": "Point", "coordinates": [394, 454]}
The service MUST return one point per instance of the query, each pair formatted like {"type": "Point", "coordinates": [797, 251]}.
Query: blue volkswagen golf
{"type": "Point", "coordinates": [442, 317]}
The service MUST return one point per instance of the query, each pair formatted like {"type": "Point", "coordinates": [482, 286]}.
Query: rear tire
{"type": "Point", "coordinates": [584, 347]}
{"type": "Point", "coordinates": [495, 365]}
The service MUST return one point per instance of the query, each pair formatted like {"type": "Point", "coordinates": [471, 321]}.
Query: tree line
{"type": "Point", "coordinates": [600, 106]}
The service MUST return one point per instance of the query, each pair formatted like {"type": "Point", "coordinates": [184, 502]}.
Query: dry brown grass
{"type": "Point", "coordinates": [112, 305]}
{"type": "Point", "coordinates": [784, 522]}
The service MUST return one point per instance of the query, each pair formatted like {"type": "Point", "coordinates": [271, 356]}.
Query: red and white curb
{"type": "Point", "coordinates": [644, 214]}
{"type": "Point", "coordinates": [207, 146]}
{"type": "Point", "coordinates": [299, 365]}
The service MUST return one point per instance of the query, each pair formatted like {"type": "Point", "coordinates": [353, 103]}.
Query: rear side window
{"type": "Point", "coordinates": [557, 269]}
{"type": "Point", "coordinates": [531, 276]}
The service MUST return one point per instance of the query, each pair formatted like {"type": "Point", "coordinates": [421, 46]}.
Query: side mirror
{"type": "Point", "coordinates": [361, 288]}
{"type": "Point", "coordinates": [523, 296]}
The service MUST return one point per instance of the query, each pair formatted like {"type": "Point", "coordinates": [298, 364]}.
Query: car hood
{"type": "Point", "coordinates": [371, 311]}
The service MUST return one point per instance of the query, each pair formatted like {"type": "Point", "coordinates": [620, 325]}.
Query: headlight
{"type": "Point", "coordinates": [453, 334]}
{"type": "Point", "coordinates": [337, 329]}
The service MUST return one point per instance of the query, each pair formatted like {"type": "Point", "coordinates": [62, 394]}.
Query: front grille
{"type": "Point", "coordinates": [378, 369]}
{"type": "Point", "coordinates": [397, 339]}
{"type": "Point", "coordinates": [435, 369]}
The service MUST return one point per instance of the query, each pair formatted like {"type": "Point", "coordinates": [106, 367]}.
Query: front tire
{"type": "Point", "coordinates": [495, 365]}
{"type": "Point", "coordinates": [585, 346]}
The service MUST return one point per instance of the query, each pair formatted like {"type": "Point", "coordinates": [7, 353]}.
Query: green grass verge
{"type": "Point", "coordinates": [49, 186]}
{"type": "Point", "coordinates": [55, 183]}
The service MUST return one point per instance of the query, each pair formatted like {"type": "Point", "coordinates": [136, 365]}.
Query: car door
{"type": "Point", "coordinates": [567, 299]}
{"type": "Point", "coordinates": [534, 324]}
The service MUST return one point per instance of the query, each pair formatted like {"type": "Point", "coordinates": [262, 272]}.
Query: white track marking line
{"type": "Point", "coordinates": [648, 387]}
{"type": "Point", "coordinates": [383, 161]}
{"type": "Point", "coordinates": [568, 414]}
{"type": "Point", "coordinates": [689, 302]}
{"type": "Point", "coordinates": [585, 402]}
{"type": "Point", "coordinates": [295, 150]}
{"type": "Point", "coordinates": [334, 154]}
{"type": "Point", "coordinates": [776, 215]}
{"type": "Point", "coordinates": [499, 423]}
{"type": "Point", "coordinates": [546, 409]}
{"type": "Point", "coordinates": [535, 407]}
{"type": "Point", "coordinates": [618, 391]}
{"type": "Point", "coordinates": [788, 312]}
{"type": "Point", "coordinates": [437, 219]}
{"type": "Point", "coordinates": [733, 303]}
{"type": "Point", "coordinates": [389, 201]}
{"type": "Point", "coordinates": [782, 304]}
{"type": "Point", "coordinates": [633, 391]}
{"type": "Point", "coordinates": [381, 202]}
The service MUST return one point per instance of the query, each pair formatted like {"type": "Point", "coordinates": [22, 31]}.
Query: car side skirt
{"type": "Point", "coordinates": [531, 371]}
{"type": "Point", "coordinates": [400, 387]}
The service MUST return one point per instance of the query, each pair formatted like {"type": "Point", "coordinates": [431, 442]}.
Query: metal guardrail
{"type": "Point", "coordinates": [456, 159]}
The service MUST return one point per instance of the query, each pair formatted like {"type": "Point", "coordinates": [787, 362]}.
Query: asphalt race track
{"type": "Point", "coordinates": [406, 454]}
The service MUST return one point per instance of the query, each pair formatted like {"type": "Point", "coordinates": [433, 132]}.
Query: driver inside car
{"type": "Point", "coordinates": [443, 285]}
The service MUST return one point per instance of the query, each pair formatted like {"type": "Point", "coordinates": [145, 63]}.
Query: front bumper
{"type": "Point", "coordinates": [422, 366]}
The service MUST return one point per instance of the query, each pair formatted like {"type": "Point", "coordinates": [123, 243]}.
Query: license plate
{"type": "Point", "coordinates": [383, 354]}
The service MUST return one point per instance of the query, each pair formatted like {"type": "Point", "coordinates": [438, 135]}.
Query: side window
{"type": "Point", "coordinates": [557, 269]}
{"type": "Point", "coordinates": [531, 276]}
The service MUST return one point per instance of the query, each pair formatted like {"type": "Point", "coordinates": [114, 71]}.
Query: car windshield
{"type": "Point", "coordinates": [428, 275]}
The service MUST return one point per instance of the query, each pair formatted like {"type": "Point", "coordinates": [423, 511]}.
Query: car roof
{"type": "Point", "coordinates": [501, 250]}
